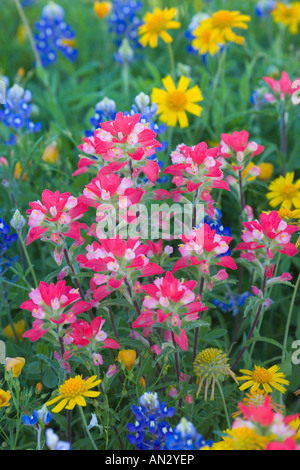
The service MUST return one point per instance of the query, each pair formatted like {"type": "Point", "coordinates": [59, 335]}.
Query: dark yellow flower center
{"type": "Point", "coordinates": [262, 375]}
{"type": "Point", "coordinates": [73, 387]}
{"type": "Point", "coordinates": [157, 24]}
{"type": "Point", "coordinates": [289, 191]}
{"type": "Point", "coordinates": [177, 101]}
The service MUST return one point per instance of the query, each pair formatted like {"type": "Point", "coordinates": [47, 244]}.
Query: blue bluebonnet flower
{"type": "Point", "coordinates": [123, 23]}
{"type": "Point", "coordinates": [264, 7]}
{"type": "Point", "coordinates": [17, 110]}
{"type": "Point", "coordinates": [233, 303]}
{"type": "Point", "coordinates": [185, 437]}
{"type": "Point", "coordinates": [6, 242]}
{"type": "Point", "coordinates": [54, 35]}
{"type": "Point", "coordinates": [258, 98]}
{"type": "Point", "coordinates": [17, 221]}
{"type": "Point", "coordinates": [27, 3]}
{"type": "Point", "coordinates": [38, 418]}
{"type": "Point", "coordinates": [105, 110]}
{"type": "Point", "coordinates": [150, 428]}
{"type": "Point", "coordinates": [54, 443]}
{"type": "Point", "coordinates": [216, 224]}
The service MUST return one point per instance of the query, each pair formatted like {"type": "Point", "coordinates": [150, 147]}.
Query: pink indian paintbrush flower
{"type": "Point", "coordinates": [124, 140]}
{"type": "Point", "coordinates": [52, 305]}
{"type": "Point", "coordinates": [57, 214]}
{"type": "Point", "coordinates": [265, 418]}
{"type": "Point", "coordinates": [281, 88]}
{"type": "Point", "coordinates": [106, 191]}
{"type": "Point", "coordinates": [204, 247]}
{"type": "Point", "coordinates": [237, 149]}
{"type": "Point", "coordinates": [114, 259]}
{"type": "Point", "coordinates": [288, 444]}
{"type": "Point", "coordinates": [170, 304]}
{"type": "Point", "coordinates": [267, 235]}
{"type": "Point", "coordinates": [81, 333]}
{"type": "Point", "coordinates": [195, 169]}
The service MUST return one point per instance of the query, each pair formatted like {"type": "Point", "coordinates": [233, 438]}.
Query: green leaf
{"type": "Point", "coordinates": [50, 378]}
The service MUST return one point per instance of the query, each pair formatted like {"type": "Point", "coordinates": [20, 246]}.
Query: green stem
{"type": "Point", "coordinates": [86, 428]}
{"type": "Point", "coordinates": [125, 73]}
{"type": "Point", "coordinates": [220, 69]}
{"type": "Point", "coordinates": [28, 260]}
{"type": "Point", "coordinates": [172, 60]}
{"type": "Point", "coordinates": [224, 403]}
{"type": "Point", "coordinates": [28, 32]}
{"type": "Point", "coordinates": [256, 319]}
{"type": "Point", "coordinates": [288, 322]}
{"type": "Point", "coordinates": [13, 383]}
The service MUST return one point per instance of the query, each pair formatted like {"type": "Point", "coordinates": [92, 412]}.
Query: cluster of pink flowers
{"type": "Point", "coordinates": [170, 304]}
{"type": "Point", "coordinates": [125, 141]}
{"type": "Point", "coordinates": [119, 151]}
{"type": "Point", "coordinates": [52, 305]}
{"type": "Point", "coordinates": [263, 237]}
{"type": "Point", "coordinates": [113, 260]}
{"type": "Point", "coordinates": [281, 88]}
{"type": "Point", "coordinates": [237, 149]}
{"type": "Point", "coordinates": [195, 170]}
{"type": "Point", "coordinates": [204, 247]}
{"type": "Point", "coordinates": [267, 422]}
{"type": "Point", "coordinates": [54, 218]}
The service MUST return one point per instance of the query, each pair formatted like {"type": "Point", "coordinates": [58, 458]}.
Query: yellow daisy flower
{"type": "Point", "coordinates": [289, 15]}
{"type": "Point", "coordinates": [156, 25]}
{"type": "Point", "coordinates": [265, 378]}
{"type": "Point", "coordinates": [173, 103]}
{"type": "Point", "coordinates": [73, 391]}
{"type": "Point", "coordinates": [223, 21]}
{"type": "Point", "coordinates": [207, 39]}
{"type": "Point", "coordinates": [242, 438]}
{"type": "Point", "coordinates": [288, 215]}
{"type": "Point", "coordinates": [295, 424]}
{"type": "Point", "coordinates": [285, 192]}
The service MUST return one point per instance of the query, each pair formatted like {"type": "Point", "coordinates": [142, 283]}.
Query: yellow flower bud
{"type": "Point", "coordinates": [15, 364]}
{"type": "Point", "coordinates": [21, 34]}
{"type": "Point", "coordinates": [19, 328]}
{"type": "Point", "coordinates": [21, 72]}
{"type": "Point", "coordinates": [102, 9]}
{"type": "Point", "coordinates": [4, 398]}
{"type": "Point", "coordinates": [266, 170]}
{"type": "Point", "coordinates": [143, 382]}
{"type": "Point", "coordinates": [50, 154]}
{"type": "Point", "coordinates": [18, 172]}
{"type": "Point", "coordinates": [127, 357]}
